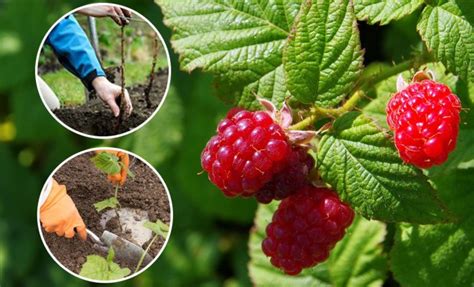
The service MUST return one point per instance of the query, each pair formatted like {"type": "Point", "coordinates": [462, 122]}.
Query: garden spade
{"type": "Point", "coordinates": [123, 248]}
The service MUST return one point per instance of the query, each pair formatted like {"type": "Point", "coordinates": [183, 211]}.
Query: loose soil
{"type": "Point", "coordinates": [87, 185]}
{"type": "Point", "coordinates": [96, 118]}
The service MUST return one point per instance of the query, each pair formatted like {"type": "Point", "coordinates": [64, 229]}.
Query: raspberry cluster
{"type": "Point", "coordinates": [305, 227]}
{"type": "Point", "coordinates": [425, 119]}
{"type": "Point", "coordinates": [255, 154]}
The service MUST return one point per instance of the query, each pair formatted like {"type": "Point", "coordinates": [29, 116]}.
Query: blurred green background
{"type": "Point", "coordinates": [208, 245]}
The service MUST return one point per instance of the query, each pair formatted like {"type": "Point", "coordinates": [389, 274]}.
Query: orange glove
{"type": "Point", "coordinates": [121, 177]}
{"type": "Point", "coordinates": [59, 214]}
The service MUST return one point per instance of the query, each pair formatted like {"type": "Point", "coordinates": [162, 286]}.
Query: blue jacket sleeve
{"type": "Point", "coordinates": [74, 51]}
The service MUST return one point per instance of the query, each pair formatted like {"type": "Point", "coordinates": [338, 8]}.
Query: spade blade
{"type": "Point", "coordinates": [125, 249]}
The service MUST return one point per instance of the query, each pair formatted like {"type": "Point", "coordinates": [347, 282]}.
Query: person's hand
{"type": "Point", "coordinates": [59, 214]}
{"type": "Point", "coordinates": [120, 177]}
{"type": "Point", "coordinates": [108, 92]}
{"type": "Point", "coordinates": [120, 15]}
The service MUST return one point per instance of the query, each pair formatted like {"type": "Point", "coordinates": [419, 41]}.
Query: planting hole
{"type": "Point", "coordinates": [132, 221]}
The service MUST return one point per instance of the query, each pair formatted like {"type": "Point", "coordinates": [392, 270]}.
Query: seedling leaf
{"type": "Point", "coordinates": [98, 268]}
{"type": "Point", "coordinates": [158, 227]}
{"type": "Point", "coordinates": [111, 202]}
{"type": "Point", "coordinates": [107, 162]}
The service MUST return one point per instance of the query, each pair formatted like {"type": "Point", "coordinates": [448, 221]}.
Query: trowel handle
{"type": "Point", "coordinates": [94, 238]}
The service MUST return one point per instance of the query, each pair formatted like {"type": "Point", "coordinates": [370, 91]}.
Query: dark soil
{"type": "Point", "coordinates": [96, 118]}
{"type": "Point", "coordinates": [87, 185]}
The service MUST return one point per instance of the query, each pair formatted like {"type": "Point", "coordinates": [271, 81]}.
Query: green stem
{"type": "Point", "coordinates": [366, 84]}
{"type": "Point", "coordinates": [119, 206]}
{"type": "Point", "coordinates": [385, 73]}
{"type": "Point", "coordinates": [140, 262]}
{"type": "Point", "coordinates": [116, 191]}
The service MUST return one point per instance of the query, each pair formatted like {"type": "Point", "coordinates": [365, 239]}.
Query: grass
{"type": "Point", "coordinates": [67, 87]}
{"type": "Point", "coordinates": [71, 92]}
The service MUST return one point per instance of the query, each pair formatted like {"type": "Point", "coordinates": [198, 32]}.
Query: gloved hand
{"type": "Point", "coordinates": [59, 214]}
{"type": "Point", "coordinates": [118, 14]}
{"type": "Point", "coordinates": [121, 177]}
{"type": "Point", "coordinates": [108, 91]}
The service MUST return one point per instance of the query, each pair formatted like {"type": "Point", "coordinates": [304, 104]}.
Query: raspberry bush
{"type": "Point", "coordinates": [390, 140]}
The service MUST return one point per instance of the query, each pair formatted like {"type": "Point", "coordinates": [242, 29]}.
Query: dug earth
{"type": "Point", "coordinates": [144, 193]}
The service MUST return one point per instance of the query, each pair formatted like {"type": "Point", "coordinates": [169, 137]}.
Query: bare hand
{"type": "Point", "coordinates": [108, 92]}
{"type": "Point", "coordinates": [120, 15]}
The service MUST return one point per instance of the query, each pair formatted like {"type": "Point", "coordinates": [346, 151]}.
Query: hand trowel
{"type": "Point", "coordinates": [123, 248]}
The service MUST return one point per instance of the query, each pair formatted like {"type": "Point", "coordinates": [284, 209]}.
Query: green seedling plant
{"type": "Point", "coordinates": [379, 136]}
{"type": "Point", "coordinates": [159, 228]}
{"type": "Point", "coordinates": [110, 165]}
{"type": "Point", "coordinates": [99, 268]}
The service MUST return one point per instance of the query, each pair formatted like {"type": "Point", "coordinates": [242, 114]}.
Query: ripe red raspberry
{"type": "Point", "coordinates": [305, 227]}
{"type": "Point", "coordinates": [247, 151]}
{"type": "Point", "coordinates": [292, 178]}
{"type": "Point", "coordinates": [425, 119]}
{"type": "Point", "coordinates": [250, 148]}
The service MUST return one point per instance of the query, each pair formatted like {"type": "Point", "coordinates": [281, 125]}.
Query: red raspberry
{"type": "Point", "coordinates": [425, 119]}
{"type": "Point", "coordinates": [292, 178]}
{"type": "Point", "coordinates": [247, 151]}
{"type": "Point", "coordinates": [305, 227]}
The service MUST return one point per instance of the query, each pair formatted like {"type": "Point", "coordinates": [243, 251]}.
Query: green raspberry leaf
{"type": "Point", "coordinates": [106, 162]}
{"type": "Point", "coordinates": [323, 57]}
{"type": "Point", "coordinates": [439, 255]}
{"type": "Point", "coordinates": [98, 268]}
{"type": "Point", "coordinates": [356, 260]}
{"type": "Point", "coordinates": [158, 227]}
{"type": "Point", "coordinates": [450, 37]}
{"type": "Point", "coordinates": [384, 11]}
{"type": "Point", "coordinates": [461, 158]}
{"type": "Point", "coordinates": [111, 202]}
{"type": "Point", "coordinates": [240, 42]}
{"type": "Point", "coordinates": [358, 159]}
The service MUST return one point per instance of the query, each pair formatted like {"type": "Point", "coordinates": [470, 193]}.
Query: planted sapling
{"type": "Point", "coordinates": [110, 164]}
{"type": "Point", "coordinates": [159, 228]}
{"type": "Point", "coordinates": [152, 72]}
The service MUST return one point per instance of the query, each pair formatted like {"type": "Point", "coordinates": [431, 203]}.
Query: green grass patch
{"type": "Point", "coordinates": [67, 87]}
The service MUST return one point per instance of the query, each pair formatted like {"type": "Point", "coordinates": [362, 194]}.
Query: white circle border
{"type": "Point", "coordinates": [133, 275]}
{"type": "Point", "coordinates": [163, 43]}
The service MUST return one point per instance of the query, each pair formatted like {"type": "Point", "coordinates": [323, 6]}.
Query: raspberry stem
{"type": "Point", "coordinates": [316, 113]}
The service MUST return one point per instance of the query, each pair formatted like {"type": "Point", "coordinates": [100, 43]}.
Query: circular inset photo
{"type": "Point", "coordinates": [105, 215]}
{"type": "Point", "coordinates": [103, 70]}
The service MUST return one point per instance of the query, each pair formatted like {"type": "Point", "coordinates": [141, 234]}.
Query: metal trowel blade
{"type": "Point", "coordinates": [125, 249]}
